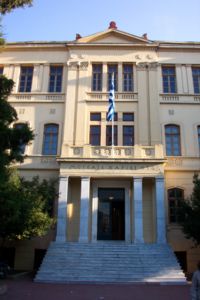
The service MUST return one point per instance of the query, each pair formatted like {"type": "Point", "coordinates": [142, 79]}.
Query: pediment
{"type": "Point", "coordinates": [112, 37]}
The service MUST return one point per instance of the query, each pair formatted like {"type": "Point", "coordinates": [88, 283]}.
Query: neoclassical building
{"type": "Point", "coordinates": [126, 194]}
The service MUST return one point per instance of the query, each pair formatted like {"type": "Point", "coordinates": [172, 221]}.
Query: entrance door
{"type": "Point", "coordinates": [111, 214]}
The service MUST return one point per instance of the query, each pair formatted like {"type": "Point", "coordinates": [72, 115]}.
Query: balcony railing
{"type": "Point", "coordinates": [179, 98]}
{"type": "Point", "coordinates": [97, 96]}
{"type": "Point", "coordinates": [36, 97]}
{"type": "Point", "coordinates": [117, 152]}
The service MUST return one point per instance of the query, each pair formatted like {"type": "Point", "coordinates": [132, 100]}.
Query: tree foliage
{"type": "Point", "coordinates": [26, 207]}
{"type": "Point", "coordinates": [11, 138]}
{"type": "Point", "coordinates": [190, 213]}
{"type": "Point", "coordinates": [8, 5]}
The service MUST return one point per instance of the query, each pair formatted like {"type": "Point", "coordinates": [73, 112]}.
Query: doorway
{"type": "Point", "coordinates": [111, 214]}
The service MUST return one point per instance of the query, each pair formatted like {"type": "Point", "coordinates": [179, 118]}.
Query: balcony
{"type": "Point", "coordinates": [180, 98]}
{"type": "Point", "coordinates": [36, 97]}
{"type": "Point", "coordinates": [117, 152]}
{"type": "Point", "coordinates": [103, 96]}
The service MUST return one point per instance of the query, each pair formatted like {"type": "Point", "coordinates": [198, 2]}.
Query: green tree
{"type": "Point", "coordinates": [11, 138]}
{"type": "Point", "coordinates": [190, 213]}
{"type": "Point", "coordinates": [9, 5]}
{"type": "Point", "coordinates": [25, 208]}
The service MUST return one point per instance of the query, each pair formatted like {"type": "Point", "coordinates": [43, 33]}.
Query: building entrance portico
{"type": "Point", "coordinates": [126, 205]}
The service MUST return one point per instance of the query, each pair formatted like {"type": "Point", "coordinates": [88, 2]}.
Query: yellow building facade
{"type": "Point", "coordinates": [128, 192]}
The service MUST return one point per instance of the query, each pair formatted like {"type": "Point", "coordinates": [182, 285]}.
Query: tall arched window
{"type": "Point", "coordinates": [175, 196]}
{"type": "Point", "coordinates": [50, 141]}
{"type": "Point", "coordinates": [172, 140]}
{"type": "Point", "coordinates": [22, 145]}
{"type": "Point", "coordinates": [198, 132]}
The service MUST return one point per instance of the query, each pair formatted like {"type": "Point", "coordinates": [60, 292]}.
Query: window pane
{"type": "Point", "coordinates": [169, 79]}
{"type": "Point", "coordinates": [50, 142]}
{"type": "Point", "coordinates": [22, 145]}
{"type": "Point", "coordinates": [198, 130]}
{"type": "Point", "coordinates": [109, 135]}
{"type": "Point", "coordinates": [97, 77]}
{"type": "Point", "coordinates": [196, 79]}
{"type": "Point", "coordinates": [95, 116]}
{"type": "Point", "coordinates": [128, 135]}
{"type": "Point", "coordinates": [26, 77]}
{"type": "Point", "coordinates": [128, 77]}
{"type": "Point", "coordinates": [172, 140]}
{"type": "Point", "coordinates": [128, 117]}
{"type": "Point", "coordinates": [113, 69]}
{"type": "Point", "coordinates": [55, 79]}
{"type": "Point", "coordinates": [95, 133]}
{"type": "Point", "coordinates": [175, 196]}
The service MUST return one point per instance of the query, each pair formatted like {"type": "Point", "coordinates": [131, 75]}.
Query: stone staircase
{"type": "Point", "coordinates": [113, 262]}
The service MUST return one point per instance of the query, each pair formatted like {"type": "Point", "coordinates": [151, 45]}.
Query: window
{"type": "Point", "coordinates": [22, 145]}
{"type": "Point", "coordinates": [95, 116]}
{"type": "Point", "coordinates": [172, 140]}
{"type": "Point", "coordinates": [97, 77]}
{"type": "Point", "coordinates": [50, 141]}
{"type": "Point", "coordinates": [109, 135]}
{"type": "Point", "coordinates": [196, 79]}
{"type": "Point", "coordinates": [55, 79]}
{"type": "Point", "coordinates": [198, 131]}
{"type": "Point", "coordinates": [175, 196]}
{"type": "Point", "coordinates": [169, 79]}
{"type": "Point", "coordinates": [128, 117]}
{"type": "Point", "coordinates": [95, 135]}
{"type": "Point", "coordinates": [112, 68]}
{"type": "Point", "coordinates": [128, 135]}
{"type": "Point", "coordinates": [128, 78]}
{"type": "Point", "coordinates": [1, 70]}
{"type": "Point", "coordinates": [26, 79]}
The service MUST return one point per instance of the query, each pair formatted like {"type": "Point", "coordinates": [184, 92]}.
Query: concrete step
{"type": "Point", "coordinates": [109, 262]}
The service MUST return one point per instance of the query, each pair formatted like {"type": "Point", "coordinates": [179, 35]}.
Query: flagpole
{"type": "Point", "coordinates": [111, 111]}
{"type": "Point", "coordinates": [112, 127]}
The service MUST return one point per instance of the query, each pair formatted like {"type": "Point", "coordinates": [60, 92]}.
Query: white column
{"type": "Point", "coordinates": [62, 210]}
{"type": "Point", "coordinates": [160, 211]}
{"type": "Point", "coordinates": [127, 216]}
{"type": "Point", "coordinates": [84, 209]}
{"type": "Point", "coordinates": [94, 212]}
{"type": "Point", "coordinates": [138, 210]}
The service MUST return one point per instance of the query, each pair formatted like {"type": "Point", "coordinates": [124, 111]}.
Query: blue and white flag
{"type": "Point", "coordinates": [111, 108]}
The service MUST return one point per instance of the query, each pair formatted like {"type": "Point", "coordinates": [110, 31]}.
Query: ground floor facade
{"type": "Point", "coordinates": [125, 202]}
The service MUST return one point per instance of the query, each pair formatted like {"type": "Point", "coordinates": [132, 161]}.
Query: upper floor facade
{"type": "Point", "coordinates": [62, 90]}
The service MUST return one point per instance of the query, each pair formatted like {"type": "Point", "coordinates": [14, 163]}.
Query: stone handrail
{"type": "Point", "coordinates": [36, 97]}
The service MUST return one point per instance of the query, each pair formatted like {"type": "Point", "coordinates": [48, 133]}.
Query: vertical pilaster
{"type": "Point", "coordinates": [120, 78]}
{"type": "Point", "coordinates": [16, 78]}
{"type": "Point", "coordinates": [62, 210]}
{"type": "Point", "coordinates": [104, 85]}
{"type": "Point", "coordinates": [160, 210]}
{"type": "Point", "coordinates": [35, 81]}
{"type": "Point", "coordinates": [84, 209]}
{"type": "Point", "coordinates": [138, 210]}
{"type": "Point", "coordinates": [45, 82]}
{"type": "Point", "coordinates": [190, 79]}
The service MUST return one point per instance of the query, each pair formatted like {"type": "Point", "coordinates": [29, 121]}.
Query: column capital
{"type": "Point", "coordinates": [63, 177]}
{"type": "Point", "coordinates": [159, 178]}
{"type": "Point", "coordinates": [85, 178]}
{"type": "Point", "coordinates": [137, 178]}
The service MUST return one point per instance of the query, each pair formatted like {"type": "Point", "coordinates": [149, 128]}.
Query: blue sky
{"type": "Point", "coordinates": [60, 20]}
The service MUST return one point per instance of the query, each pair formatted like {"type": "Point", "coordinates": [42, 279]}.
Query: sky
{"type": "Point", "coordinates": [60, 20]}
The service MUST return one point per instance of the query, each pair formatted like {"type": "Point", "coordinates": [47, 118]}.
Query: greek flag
{"type": "Point", "coordinates": [111, 108]}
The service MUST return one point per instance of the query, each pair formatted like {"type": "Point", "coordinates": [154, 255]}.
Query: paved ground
{"type": "Point", "coordinates": [26, 289]}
